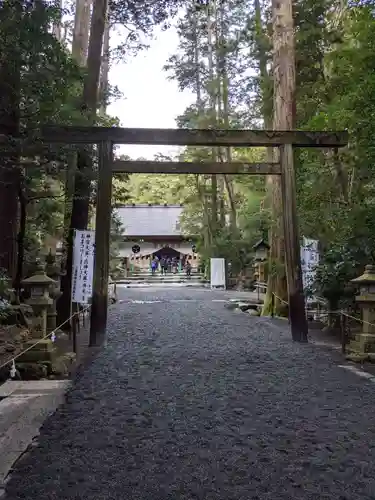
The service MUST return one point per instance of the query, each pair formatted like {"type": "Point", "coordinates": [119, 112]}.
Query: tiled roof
{"type": "Point", "coordinates": [150, 220]}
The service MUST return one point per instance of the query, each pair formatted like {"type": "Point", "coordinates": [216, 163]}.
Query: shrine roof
{"type": "Point", "coordinates": [150, 220]}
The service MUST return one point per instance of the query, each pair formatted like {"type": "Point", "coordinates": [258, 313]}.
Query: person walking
{"type": "Point", "coordinates": [174, 265]}
{"type": "Point", "coordinates": [163, 266]}
{"type": "Point", "coordinates": [154, 266]}
{"type": "Point", "coordinates": [188, 269]}
{"type": "Point", "coordinates": [169, 264]}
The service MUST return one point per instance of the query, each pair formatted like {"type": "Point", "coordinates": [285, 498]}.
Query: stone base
{"type": "Point", "coordinates": [32, 371]}
{"type": "Point", "coordinates": [362, 348]}
{"type": "Point", "coordinates": [43, 351]}
{"type": "Point", "coordinates": [62, 366]}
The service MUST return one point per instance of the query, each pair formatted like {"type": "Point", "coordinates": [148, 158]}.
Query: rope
{"type": "Point", "coordinates": [323, 313]}
{"type": "Point", "coordinates": [357, 319]}
{"type": "Point", "coordinates": [280, 299]}
{"type": "Point", "coordinates": [51, 334]}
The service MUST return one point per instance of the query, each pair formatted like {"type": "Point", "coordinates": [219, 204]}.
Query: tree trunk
{"type": "Point", "coordinates": [276, 278]}
{"type": "Point", "coordinates": [284, 112]}
{"type": "Point", "coordinates": [227, 179]}
{"type": "Point", "coordinates": [81, 31]}
{"type": "Point", "coordinates": [214, 197]}
{"type": "Point", "coordinates": [56, 29]}
{"type": "Point", "coordinates": [21, 237]}
{"type": "Point", "coordinates": [79, 54]}
{"type": "Point", "coordinates": [206, 218]}
{"type": "Point", "coordinates": [104, 74]}
{"type": "Point", "coordinates": [10, 66]}
{"type": "Point", "coordinates": [207, 236]}
{"type": "Point", "coordinates": [219, 105]}
{"type": "Point", "coordinates": [82, 187]}
{"type": "Point", "coordinates": [198, 83]}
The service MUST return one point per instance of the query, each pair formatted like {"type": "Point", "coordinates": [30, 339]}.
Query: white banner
{"type": "Point", "coordinates": [309, 260]}
{"type": "Point", "coordinates": [83, 266]}
{"type": "Point", "coordinates": [218, 273]}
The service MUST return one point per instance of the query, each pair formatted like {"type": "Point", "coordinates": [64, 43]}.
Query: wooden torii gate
{"type": "Point", "coordinates": [107, 137]}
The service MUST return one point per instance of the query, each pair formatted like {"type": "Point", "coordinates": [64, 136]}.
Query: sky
{"type": "Point", "coordinates": [150, 99]}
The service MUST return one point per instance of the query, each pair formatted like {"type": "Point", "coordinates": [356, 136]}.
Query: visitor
{"type": "Point", "coordinates": [169, 264]}
{"type": "Point", "coordinates": [174, 265]}
{"type": "Point", "coordinates": [188, 268]}
{"type": "Point", "coordinates": [154, 266]}
{"type": "Point", "coordinates": [163, 266]}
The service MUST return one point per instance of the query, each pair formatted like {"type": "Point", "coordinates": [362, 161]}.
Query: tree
{"type": "Point", "coordinates": [210, 62]}
{"type": "Point", "coordinates": [39, 86]}
{"type": "Point", "coordinates": [11, 23]}
{"type": "Point", "coordinates": [142, 19]}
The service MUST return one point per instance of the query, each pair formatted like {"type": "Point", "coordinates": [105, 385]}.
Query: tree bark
{"type": "Point", "coordinates": [104, 74]}
{"type": "Point", "coordinates": [21, 237]}
{"type": "Point", "coordinates": [198, 83]}
{"type": "Point", "coordinates": [10, 67]}
{"type": "Point", "coordinates": [286, 244]}
{"type": "Point", "coordinates": [82, 184]}
{"type": "Point", "coordinates": [227, 180]}
{"type": "Point", "coordinates": [79, 54]}
{"type": "Point", "coordinates": [81, 31]}
{"type": "Point", "coordinates": [284, 115]}
{"type": "Point", "coordinates": [214, 187]}
{"type": "Point", "coordinates": [219, 105]}
{"type": "Point", "coordinates": [276, 285]}
{"type": "Point", "coordinates": [56, 29]}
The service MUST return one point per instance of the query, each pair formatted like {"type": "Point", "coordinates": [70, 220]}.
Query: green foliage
{"type": "Point", "coordinates": [4, 284]}
{"type": "Point", "coordinates": [335, 57]}
{"type": "Point", "coordinates": [5, 307]}
{"type": "Point", "coordinates": [156, 189]}
{"type": "Point", "coordinates": [115, 241]}
{"type": "Point", "coordinates": [336, 269]}
{"type": "Point", "coordinates": [336, 192]}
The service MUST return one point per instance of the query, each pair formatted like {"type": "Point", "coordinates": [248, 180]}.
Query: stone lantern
{"type": "Point", "coordinates": [364, 344]}
{"type": "Point", "coordinates": [53, 272]}
{"type": "Point", "coordinates": [39, 285]}
{"type": "Point", "coordinates": [261, 255]}
{"type": "Point", "coordinates": [261, 250]}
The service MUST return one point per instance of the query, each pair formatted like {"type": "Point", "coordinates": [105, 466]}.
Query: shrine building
{"type": "Point", "coordinates": [153, 231]}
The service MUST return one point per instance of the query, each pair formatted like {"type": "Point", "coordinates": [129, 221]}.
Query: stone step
{"type": "Point", "coordinates": [160, 277]}
{"type": "Point", "coordinates": [161, 281]}
{"type": "Point", "coordinates": [150, 275]}
{"type": "Point", "coordinates": [144, 284]}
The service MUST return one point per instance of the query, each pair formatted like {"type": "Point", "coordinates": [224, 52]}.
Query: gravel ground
{"type": "Point", "coordinates": [191, 401]}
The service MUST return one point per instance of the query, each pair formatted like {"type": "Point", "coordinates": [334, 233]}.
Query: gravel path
{"type": "Point", "coordinates": [191, 401]}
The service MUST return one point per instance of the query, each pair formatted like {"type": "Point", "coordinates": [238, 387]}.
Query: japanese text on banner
{"type": "Point", "coordinates": [309, 261]}
{"type": "Point", "coordinates": [83, 266]}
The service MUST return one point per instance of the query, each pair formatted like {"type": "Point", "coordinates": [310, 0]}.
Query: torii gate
{"type": "Point", "coordinates": [107, 137]}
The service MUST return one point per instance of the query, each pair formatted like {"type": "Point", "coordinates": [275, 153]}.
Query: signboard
{"type": "Point", "coordinates": [309, 260]}
{"type": "Point", "coordinates": [83, 266]}
{"type": "Point", "coordinates": [218, 273]}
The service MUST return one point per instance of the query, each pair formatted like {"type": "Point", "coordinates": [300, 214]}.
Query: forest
{"type": "Point", "coordinates": [55, 62]}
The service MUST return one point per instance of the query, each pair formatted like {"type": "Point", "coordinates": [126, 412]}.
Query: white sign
{"type": "Point", "coordinates": [218, 273]}
{"type": "Point", "coordinates": [83, 266]}
{"type": "Point", "coordinates": [309, 261]}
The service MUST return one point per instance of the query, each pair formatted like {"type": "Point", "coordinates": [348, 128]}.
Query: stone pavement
{"type": "Point", "coordinates": [23, 408]}
{"type": "Point", "coordinates": [191, 401]}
